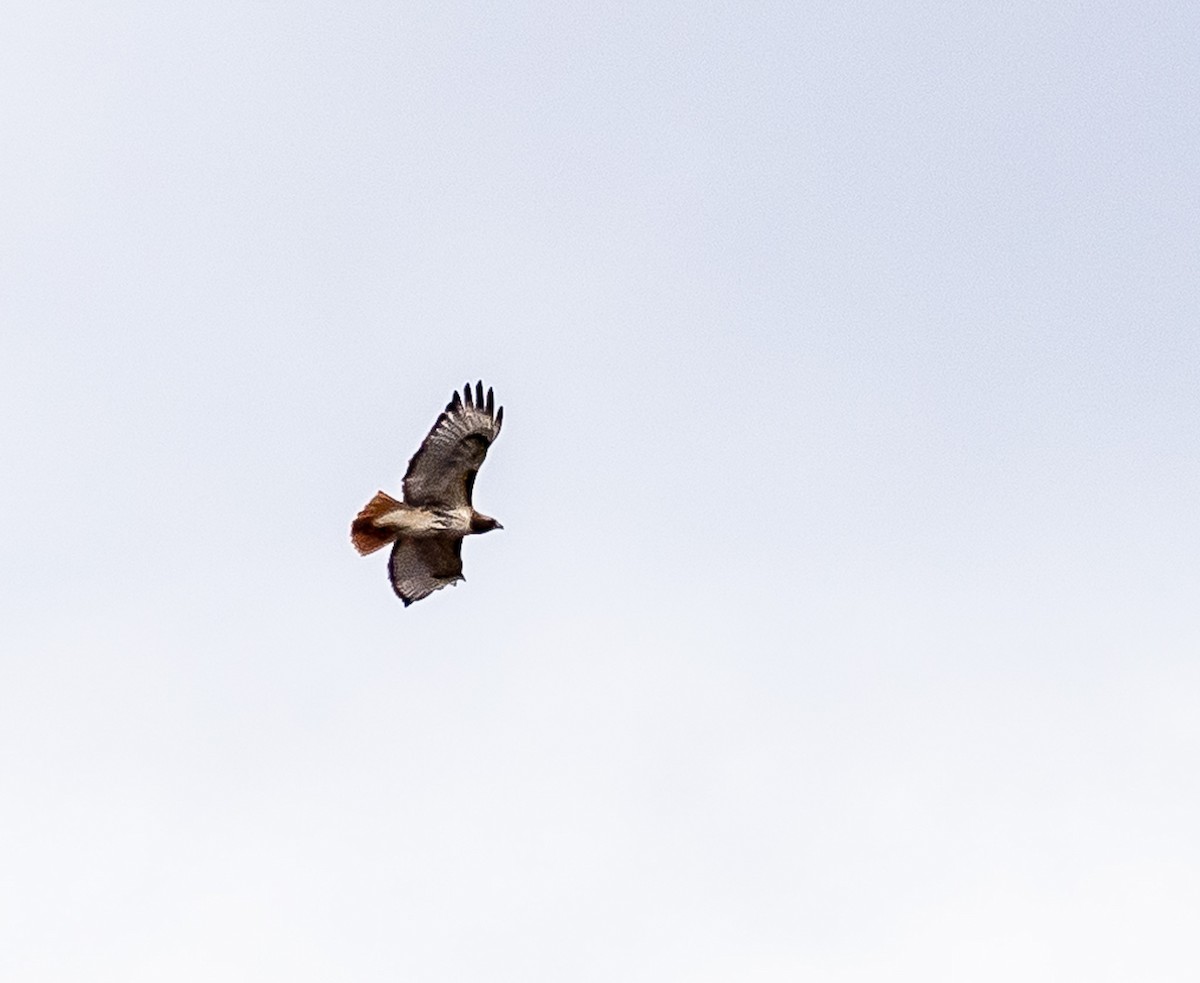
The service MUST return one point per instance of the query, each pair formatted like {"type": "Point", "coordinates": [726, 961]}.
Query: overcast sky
{"type": "Point", "coordinates": [844, 622]}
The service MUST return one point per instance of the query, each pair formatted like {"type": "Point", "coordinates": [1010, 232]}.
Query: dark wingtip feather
{"type": "Point", "coordinates": [454, 404]}
{"type": "Point", "coordinates": [467, 395]}
{"type": "Point", "coordinates": [491, 403]}
{"type": "Point", "coordinates": [479, 394]}
{"type": "Point", "coordinates": [499, 418]}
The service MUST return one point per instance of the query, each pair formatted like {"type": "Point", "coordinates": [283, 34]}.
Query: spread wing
{"type": "Point", "coordinates": [418, 567]}
{"type": "Point", "coordinates": [442, 472]}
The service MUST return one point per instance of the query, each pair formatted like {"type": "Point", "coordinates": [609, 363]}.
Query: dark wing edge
{"type": "Point", "coordinates": [418, 567]}
{"type": "Point", "coordinates": [442, 471]}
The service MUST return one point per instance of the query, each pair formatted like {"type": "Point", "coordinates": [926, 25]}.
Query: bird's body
{"type": "Point", "coordinates": [407, 520]}
{"type": "Point", "coordinates": [428, 527]}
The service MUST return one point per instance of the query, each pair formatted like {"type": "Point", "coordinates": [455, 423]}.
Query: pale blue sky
{"type": "Point", "coordinates": [844, 624]}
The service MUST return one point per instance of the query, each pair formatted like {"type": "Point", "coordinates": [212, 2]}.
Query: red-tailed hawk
{"type": "Point", "coordinates": [428, 527]}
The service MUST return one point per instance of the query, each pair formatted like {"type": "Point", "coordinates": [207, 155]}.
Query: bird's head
{"type": "Point", "coordinates": [483, 523]}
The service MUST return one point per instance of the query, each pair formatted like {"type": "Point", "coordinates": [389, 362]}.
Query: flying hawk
{"type": "Point", "coordinates": [428, 527]}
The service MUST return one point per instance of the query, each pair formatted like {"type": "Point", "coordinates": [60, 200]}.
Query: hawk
{"type": "Point", "coordinates": [428, 527]}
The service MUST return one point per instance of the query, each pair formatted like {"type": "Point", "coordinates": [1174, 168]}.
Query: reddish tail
{"type": "Point", "coordinates": [364, 534]}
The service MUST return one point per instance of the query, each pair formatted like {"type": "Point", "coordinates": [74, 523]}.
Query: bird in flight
{"type": "Point", "coordinates": [428, 527]}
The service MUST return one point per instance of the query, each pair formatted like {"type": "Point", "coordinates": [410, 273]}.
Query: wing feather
{"type": "Point", "coordinates": [442, 472]}
{"type": "Point", "coordinates": [418, 567]}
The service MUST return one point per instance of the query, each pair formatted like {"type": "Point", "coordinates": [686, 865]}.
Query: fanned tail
{"type": "Point", "coordinates": [366, 536]}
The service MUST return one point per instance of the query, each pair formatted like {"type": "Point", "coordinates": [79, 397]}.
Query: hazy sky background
{"type": "Point", "coordinates": [844, 624]}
